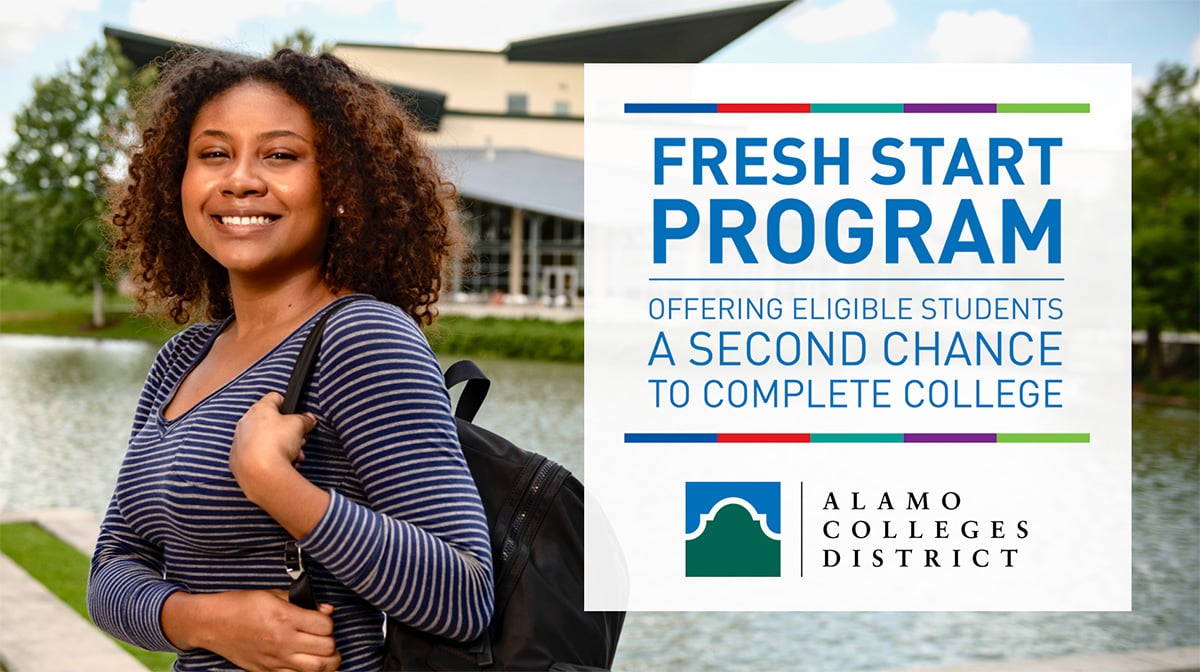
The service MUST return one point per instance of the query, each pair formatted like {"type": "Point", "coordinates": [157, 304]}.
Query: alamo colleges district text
{"type": "Point", "coordinates": [862, 530]}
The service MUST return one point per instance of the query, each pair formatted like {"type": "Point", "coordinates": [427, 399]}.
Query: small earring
{"type": "Point", "coordinates": [341, 210]}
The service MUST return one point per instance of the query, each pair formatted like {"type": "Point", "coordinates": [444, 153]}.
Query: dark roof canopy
{"type": "Point", "coordinates": [690, 38]}
{"type": "Point", "coordinates": [142, 50]}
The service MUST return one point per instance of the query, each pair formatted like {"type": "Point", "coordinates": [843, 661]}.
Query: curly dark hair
{"type": "Point", "coordinates": [395, 232]}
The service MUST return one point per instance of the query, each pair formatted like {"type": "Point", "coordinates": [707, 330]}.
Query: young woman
{"type": "Point", "coordinates": [264, 192]}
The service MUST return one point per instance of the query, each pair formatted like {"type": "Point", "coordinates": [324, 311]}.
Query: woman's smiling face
{"type": "Point", "coordinates": [251, 191]}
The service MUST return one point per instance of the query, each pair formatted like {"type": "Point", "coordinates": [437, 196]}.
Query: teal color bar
{"type": "Point", "coordinates": [856, 438]}
{"type": "Point", "coordinates": [857, 108]}
{"type": "Point", "coordinates": [1044, 438]}
{"type": "Point", "coordinates": [1043, 108]}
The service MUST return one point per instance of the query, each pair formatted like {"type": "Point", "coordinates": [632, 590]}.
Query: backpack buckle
{"type": "Point", "coordinates": [482, 650]}
{"type": "Point", "coordinates": [292, 560]}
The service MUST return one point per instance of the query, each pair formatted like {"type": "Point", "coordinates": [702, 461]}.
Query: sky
{"type": "Point", "coordinates": [38, 38]}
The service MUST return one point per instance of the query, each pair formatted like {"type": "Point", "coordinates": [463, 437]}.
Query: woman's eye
{"type": "Point", "coordinates": [282, 156]}
{"type": "Point", "coordinates": [213, 154]}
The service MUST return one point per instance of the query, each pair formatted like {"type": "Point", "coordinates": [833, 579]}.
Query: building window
{"type": "Point", "coordinates": [551, 261]}
{"type": "Point", "coordinates": [562, 108]}
{"type": "Point", "coordinates": [518, 103]}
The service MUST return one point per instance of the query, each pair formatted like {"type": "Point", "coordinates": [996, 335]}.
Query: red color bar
{"type": "Point", "coordinates": [763, 107]}
{"type": "Point", "coordinates": [763, 438]}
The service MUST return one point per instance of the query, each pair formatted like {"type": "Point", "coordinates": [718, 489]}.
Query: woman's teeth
{"type": "Point", "coordinates": [257, 220]}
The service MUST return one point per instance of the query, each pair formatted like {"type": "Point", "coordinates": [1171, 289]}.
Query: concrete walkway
{"type": "Point", "coordinates": [38, 633]}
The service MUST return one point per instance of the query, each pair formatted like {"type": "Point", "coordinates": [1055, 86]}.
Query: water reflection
{"type": "Point", "coordinates": [67, 406]}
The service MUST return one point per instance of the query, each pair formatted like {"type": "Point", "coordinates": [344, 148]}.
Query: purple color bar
{"type": "Point", "coordinates": [949, 438]}
{"type": "Point", "coordinates": [957, 108]}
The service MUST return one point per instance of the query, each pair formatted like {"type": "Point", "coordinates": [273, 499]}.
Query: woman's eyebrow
{"type": "Point", "coordinates": [265, 135]}
{"type": "Point", "coordinates": [212, 133]}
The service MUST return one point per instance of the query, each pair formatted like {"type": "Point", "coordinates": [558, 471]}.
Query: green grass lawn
{"type": "Point", "coordinates": [41, 308]}
{"type": "Point", "coordinates": [63, 571]}
{"type": "Point", "coordinates": [508, 338]}
{"type": "Point", "coordinates": [35, 297]}
{"type": "Point", "coordinates": [55, 310]}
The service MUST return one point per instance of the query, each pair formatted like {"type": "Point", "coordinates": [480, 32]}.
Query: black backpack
{"type": "Point", "coordinates": [534, 509]}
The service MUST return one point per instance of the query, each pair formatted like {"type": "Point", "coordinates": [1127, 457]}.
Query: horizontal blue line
{"type": "Point", "coordinates": [795, 278]}
{"type": "Point", "coordinates": [653, 108]}
{"type": "Point", "coordinates": [670, 438]}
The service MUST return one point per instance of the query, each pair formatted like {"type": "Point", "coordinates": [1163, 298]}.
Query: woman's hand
{"type": "Point", "coordinates": [256, 630]}
{"type": "Point", "coordinates": [266, 440]}
{"type": "Point", "coordinates": [266, 445]}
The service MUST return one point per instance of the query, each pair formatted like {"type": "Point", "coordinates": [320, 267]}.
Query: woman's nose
{"type": "Point", "coordinates": [243, 180]}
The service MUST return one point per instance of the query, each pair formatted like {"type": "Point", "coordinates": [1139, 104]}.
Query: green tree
{"type": "Point", "coordinates": [69, 144]}
{"type": "Point", "coordinates": [302, 40]}
{"type": "Point", "coordinates": [1166, 209]}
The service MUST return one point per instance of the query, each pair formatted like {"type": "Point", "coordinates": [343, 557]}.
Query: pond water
{"type": "Point", "coordinates": [67, 404]}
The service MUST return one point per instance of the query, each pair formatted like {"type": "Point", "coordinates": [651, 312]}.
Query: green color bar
{"type": "Point", "coordinates": [856, 438]}
{"type": "Point", "coordinates": [1042, 108]}
{"type": "Point", "coordinates": [1044, 438]}
{"type": "Point", "coordinates": [857, 108]}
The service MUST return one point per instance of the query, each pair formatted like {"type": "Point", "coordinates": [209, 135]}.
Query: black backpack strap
{"type": "Point", "coordinates": [301, 592]}
{"type": "Point", "coordinates": [478, 384]}
{"type": "Point", "coordinates": [306, 361]}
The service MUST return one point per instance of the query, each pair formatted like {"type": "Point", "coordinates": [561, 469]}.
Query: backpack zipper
{"type": "Point", "coordinates": [527, 502]}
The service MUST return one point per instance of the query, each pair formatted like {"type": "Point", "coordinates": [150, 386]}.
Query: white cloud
{"type": "Point", "coordinates": [210, 21]}
{"type": "Point", "coordinates": [218, 21]}
{"type": "Point", "coordinates": [23, 25]}
{"type": "Point", "coordinates": [342, 7]}
{"type": "Point", "coordinates": [986, 36]}
{"type": "Point", "coordinates": [487, 24]}
{"type": "Point", "coordinates": [848, 18]}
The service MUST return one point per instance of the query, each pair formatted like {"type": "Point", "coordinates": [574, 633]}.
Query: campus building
{"type": "Point", "coordinates": [508, 128]}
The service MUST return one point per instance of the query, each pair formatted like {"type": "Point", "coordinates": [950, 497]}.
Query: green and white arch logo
{"type": "Point", "coordinates": [732, 528]}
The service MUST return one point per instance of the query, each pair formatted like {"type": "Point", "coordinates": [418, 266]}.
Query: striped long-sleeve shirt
{"type": "Point", "coordinates": [404, 533]}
